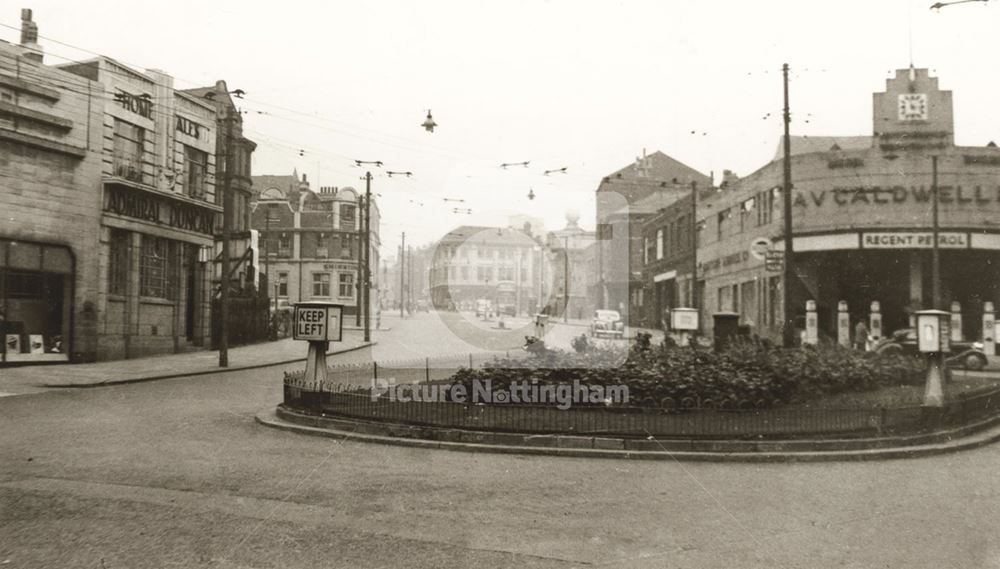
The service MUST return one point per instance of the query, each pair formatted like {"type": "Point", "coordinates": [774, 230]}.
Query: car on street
{"type": "Point", "coordinates": [965, 354]}
{"type": "Point", "coordinates": [607, 323]}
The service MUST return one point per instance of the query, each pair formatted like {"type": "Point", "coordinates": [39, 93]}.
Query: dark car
{"type": "Point", "coordinates": [965, 354]}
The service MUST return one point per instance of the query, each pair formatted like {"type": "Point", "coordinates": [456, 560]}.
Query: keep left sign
{"type": "Point", "coordinates": [318, 323]}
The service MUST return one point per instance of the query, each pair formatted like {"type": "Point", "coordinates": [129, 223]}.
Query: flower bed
{"type": "Point", "coordinates": [748, 375]}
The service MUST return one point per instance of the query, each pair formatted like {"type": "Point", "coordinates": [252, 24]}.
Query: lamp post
{"type": "Point", "coordinates": [565, 278]}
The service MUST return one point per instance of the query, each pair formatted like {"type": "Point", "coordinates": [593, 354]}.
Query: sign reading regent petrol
{"type": "Point", "coordinates": [921, 240]}
{"type": "Point", "coordinates": [319, 322]}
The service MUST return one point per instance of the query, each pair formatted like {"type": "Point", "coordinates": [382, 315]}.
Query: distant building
{"type": "Point", "coordinates": [569, 261]}
{"type": "Point", "coordinates": [498, 264]}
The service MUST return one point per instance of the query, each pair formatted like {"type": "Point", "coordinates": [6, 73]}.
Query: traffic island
{"type": "Point", "coordinates": [751, 401]}
{"type": "Point", "coordinates": [942, 441]}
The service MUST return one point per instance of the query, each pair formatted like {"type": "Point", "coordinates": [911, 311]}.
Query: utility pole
{"type": "Point", "coordinates": [361, 256]}
{"type": "Point", "coordinates": [788, 331]}
{"type": "Point", "coordinates": [409, 281]}
{"type": "Point", "coordinates": [935, 250]}
{"type": "Point", "coordinates": [402, 274]}
{"type": "Point", "coordinates": [694, 243]}
{"type": "Point", "coordinates": [227, 211]}
{"type": "Point", "coordinates": [367, 239]}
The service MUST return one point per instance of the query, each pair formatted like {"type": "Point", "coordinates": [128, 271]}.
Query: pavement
{"type": "Point", "coordinates": [32, 377]}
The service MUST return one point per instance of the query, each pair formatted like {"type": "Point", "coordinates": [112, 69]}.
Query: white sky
{"type": "Point", "coordinates": [585, 84]}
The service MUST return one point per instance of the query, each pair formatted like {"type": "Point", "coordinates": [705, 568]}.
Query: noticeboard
{"type": "Point", "coordinates": [318, 322]}
{"type": "Point", "coordinates": [684, 319]}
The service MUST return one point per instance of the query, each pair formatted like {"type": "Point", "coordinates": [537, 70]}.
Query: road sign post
{"type": "Point", "coordinates": [319, 323]}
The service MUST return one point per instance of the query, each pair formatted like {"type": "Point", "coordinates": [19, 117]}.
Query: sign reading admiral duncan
{"type": "Point", "coordinates": [159, 210]}
{"type": "Point", "coordinates": [877, 195]}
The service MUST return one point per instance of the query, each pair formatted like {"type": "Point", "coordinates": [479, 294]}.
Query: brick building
{"type": "Point", "coordinates": [624, 200]}
{"type": "Point", "coordinates": [311, 242]}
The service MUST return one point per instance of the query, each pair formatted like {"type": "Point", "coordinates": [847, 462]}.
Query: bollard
{"type": "Point", "coordinates": [812, 324]}
{"type": "Point", "coordinates": [843, 325]}
{"type": "Point", "coordinates": [956, 321]}
{"type": "Point", "coordinates": [989, 329]}
{"type": "Point", "coordinates": [876, 322]}
{"type": "Point", "coordinates": [933, 340]}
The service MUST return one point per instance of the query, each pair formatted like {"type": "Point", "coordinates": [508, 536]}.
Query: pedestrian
{"type": "Point", "coordinates": [861, 335]}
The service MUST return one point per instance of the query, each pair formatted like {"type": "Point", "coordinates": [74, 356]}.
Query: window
{"type": "Point", "coordinates": [129, 151]}
{"type": "Point", "coordinates": [723, 217]}
{"type": "Point", "coordinates": [465, 273]}
{"type": "Point", "coordinates": [282, 285]}
{"type": "Point", "coordinates": [347, 246]}
{"type": "Point", "coordinates": [321, 284]}
{"type": "Point", "coordinates": [347, 217]}
{"type": "Point", "coordinates": [321, 249]}
{"type": "Point", "coordinates": [156, 268]}
{"type": "Point", "coordinates": [118, 248]}
{"type": "Point", "coordinates": [346, 285]}
{"type": "Point", "coordinates": [285, 245]}
{"type": "Point", "coordinates": [195, 167]}
{"type": "Point", "coordinates": [659, 244]}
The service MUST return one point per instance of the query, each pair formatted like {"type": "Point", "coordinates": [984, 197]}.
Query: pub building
{"type": "Point", "coordinates": [159, 210]}
{"type": "Point", "coordinates": [110, 207]}
{"type": "Point", "coordinates": [862, 221]}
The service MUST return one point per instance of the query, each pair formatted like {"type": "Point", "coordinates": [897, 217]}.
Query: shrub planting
{"type": "Point", "coordinates": [750, 374]}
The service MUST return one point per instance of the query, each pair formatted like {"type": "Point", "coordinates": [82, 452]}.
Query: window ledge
{"type": "Point", "coordinates": [155, 300]}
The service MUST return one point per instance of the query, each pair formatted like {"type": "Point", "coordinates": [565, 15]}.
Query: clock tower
{"type": "Point", "coordinates": [912, 113]}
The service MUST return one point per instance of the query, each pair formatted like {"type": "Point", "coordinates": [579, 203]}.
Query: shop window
{"type": "Point", "coordinates": [195, 167]}
{"type": "Point", "coordinates": [346, 285]}
{"type": "Point", "coordinates": [321, 285]}
{"type": "Point", "coordinates": [282, 285]}
{"type": "Point", "coordinates": [35, 301]}
{"type": "Point", "coordinates": [118, 249]}
{"type": "Point", "coordinates": [129, 151]}
{"type": "Point", "coordinates": [157, 263]}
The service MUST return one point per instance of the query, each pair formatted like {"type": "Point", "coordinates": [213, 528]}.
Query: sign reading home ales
{"type": "Point", "coordinates": [319, 322]}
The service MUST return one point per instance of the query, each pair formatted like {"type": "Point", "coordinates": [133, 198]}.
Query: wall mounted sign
{"type": "Point", "coordinates": [877, 195]}
{"type": "Point", "coordinates": [159, 210]}
{"type": "Point", "coordinates": [921, 240]}
{"type": "Point", "coordinates": [188, 127]}
{"type": "Point", "coordinates": [141, 105]}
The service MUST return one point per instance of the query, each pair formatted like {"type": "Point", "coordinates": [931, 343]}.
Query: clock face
{"type": "Point", "coordinates": [913, 107]}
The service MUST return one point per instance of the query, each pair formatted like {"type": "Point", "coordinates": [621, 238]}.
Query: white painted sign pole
{"type": "Point", "coordinates": [812, 324]}
{"type": "Point", "coordinates": [875, 320]}
{"type": "Point", "coordinates": [843, 325]}
{"type": "Point", "coordinates": [956, 321]}
{"type": "Point", "coordinates": [989, 329]}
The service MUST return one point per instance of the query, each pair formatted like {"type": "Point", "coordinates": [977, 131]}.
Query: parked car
{"type": "Point", "coordinates": [966, 354]}
{"type": "Point", "coordinates": [607, 323]}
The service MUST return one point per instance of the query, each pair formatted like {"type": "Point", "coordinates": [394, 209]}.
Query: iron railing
{"type": "Point", "coordinates": [350, 392]}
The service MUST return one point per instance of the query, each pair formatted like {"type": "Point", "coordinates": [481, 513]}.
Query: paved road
{"type": "Point", "coordinates": [175, 473]}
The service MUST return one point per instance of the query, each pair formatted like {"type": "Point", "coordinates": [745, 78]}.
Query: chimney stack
{"type": "Point", "coordinates": [29, 37]}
